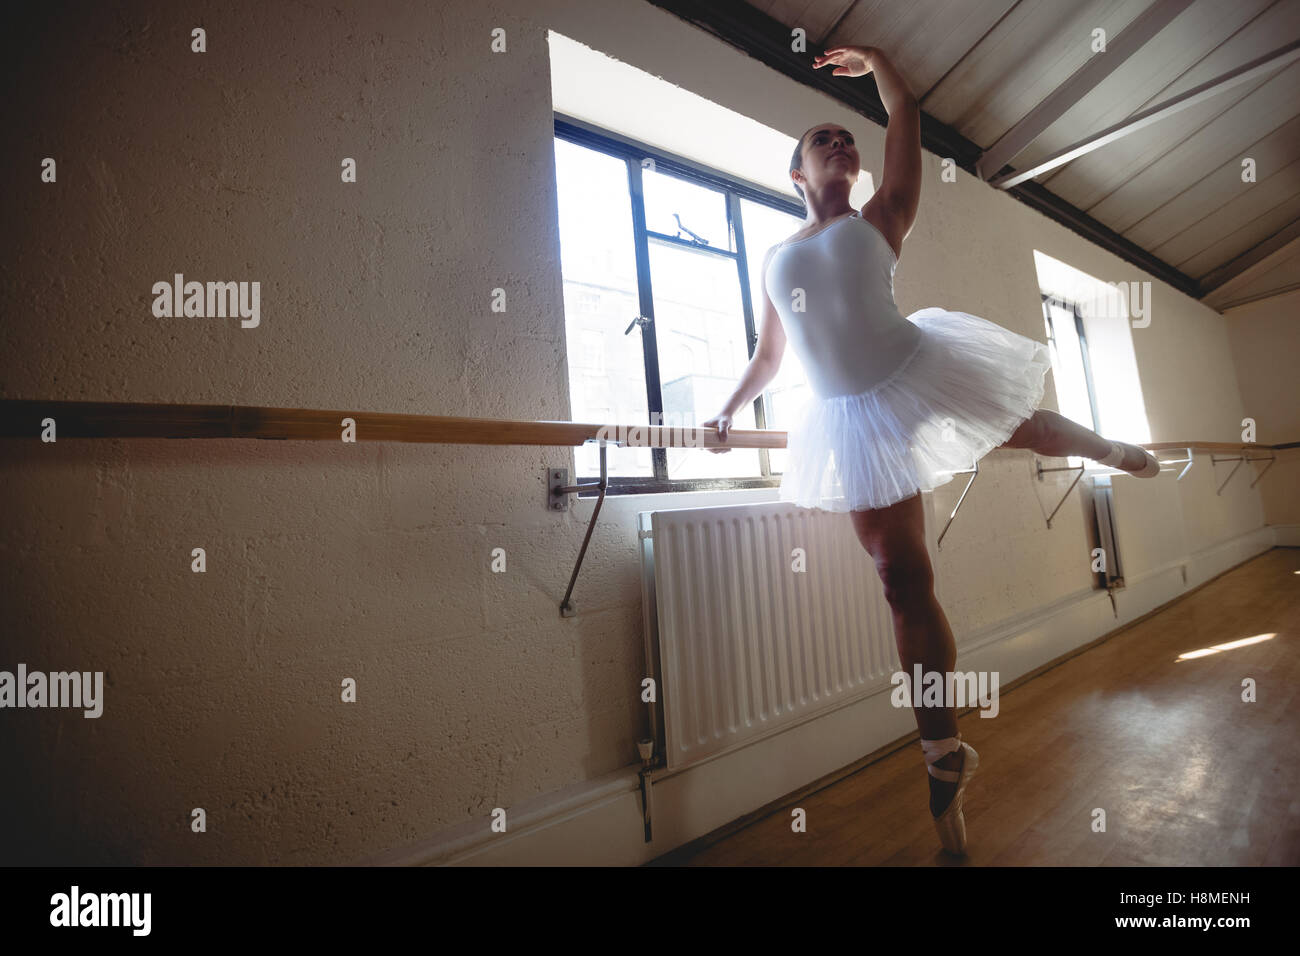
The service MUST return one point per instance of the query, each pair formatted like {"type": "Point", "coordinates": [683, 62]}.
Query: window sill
{"type": "Point", "coordinates": [651, 486]}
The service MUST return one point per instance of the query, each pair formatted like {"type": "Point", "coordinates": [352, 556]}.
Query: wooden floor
{"type": "Point", "coordinates": [1187, 773]}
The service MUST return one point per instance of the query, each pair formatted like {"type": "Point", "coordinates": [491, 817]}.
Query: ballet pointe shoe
{"type": "Point", "coordinates": [1149, 468]}
{"type": "Point", "coordinates": [951, 824]}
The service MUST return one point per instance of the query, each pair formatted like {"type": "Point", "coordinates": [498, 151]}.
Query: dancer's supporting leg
{"type": "Point", "coordinates": [895, 539]}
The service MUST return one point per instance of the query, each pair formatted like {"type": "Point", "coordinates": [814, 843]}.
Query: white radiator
{"type": "Point", "coordinates": [743, 645]}
{"type": "Point", "coordinates": [1103, 497]}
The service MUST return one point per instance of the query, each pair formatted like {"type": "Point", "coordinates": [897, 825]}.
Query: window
{"type": "Point", "coordinates": [1090, 337]}
{"type": "Point", "coordinates": [661, 262]}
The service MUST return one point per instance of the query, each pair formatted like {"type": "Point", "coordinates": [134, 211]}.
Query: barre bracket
{"type": "Point", "coordinates": [1240, 460]}
{"type": "Point", "coordinates": [556, 483]}
{"type": "Point", "coordinates": [1038, 464]}
{"type": "Point", "coordinates": [973, 471]}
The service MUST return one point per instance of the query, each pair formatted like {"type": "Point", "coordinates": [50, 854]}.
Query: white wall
{"type": "Point", "coordinates": [373, 560]}
{"type": "Point", "coordinates": [1265, 340]}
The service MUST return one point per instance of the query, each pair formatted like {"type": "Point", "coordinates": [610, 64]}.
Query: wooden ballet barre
{"type": "Point", "coordinates": [1214, 445]}
{"type": "Point", "coordinates": [23, 418]}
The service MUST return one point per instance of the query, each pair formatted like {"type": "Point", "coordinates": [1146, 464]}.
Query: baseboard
{"type": "Point", "coordinates": [1225, 556]}
{"type": "Point", "coordinates": [1286, 535]}
{"type": "Point", "coordinates": [600, 823]}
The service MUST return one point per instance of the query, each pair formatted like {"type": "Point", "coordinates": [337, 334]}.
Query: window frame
{"type": "Point", "coordinates": [634, 153]}
{"type": "Point", "coordinates": [1069, 305]}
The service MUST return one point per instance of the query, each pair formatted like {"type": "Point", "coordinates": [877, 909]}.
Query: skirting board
{"type": "Point", "coordinates": [1286, 535]}
{"type": "Point", "coordinates": [599, 823]}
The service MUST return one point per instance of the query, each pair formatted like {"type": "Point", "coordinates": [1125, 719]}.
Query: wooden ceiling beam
{"type": "Point", "coordinates": [1085, 79]}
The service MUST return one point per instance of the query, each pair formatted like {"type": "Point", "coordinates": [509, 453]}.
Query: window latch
{"type": "Point", "coordinates": [640, 320]}
{"type": "Point", "coordinates": [698, 240]}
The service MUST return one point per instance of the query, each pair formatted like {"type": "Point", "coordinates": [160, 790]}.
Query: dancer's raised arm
{"type": "Point", "coordinates": [893, 207]}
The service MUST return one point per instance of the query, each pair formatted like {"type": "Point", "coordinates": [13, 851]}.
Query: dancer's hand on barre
{"type": "Point", "coordinates": [723, 424]}
{"type": "Point", "coordinates": [849, 60]}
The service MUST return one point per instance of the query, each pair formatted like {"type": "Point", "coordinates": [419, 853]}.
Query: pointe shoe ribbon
{"type": "Point", "coordinates": [951, 824]}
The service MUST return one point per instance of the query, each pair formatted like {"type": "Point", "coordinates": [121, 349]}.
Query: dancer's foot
{"type": "Point", "coordinates": [941, 791]}
{"type": "Point", "coordinates": [950, 824]}
{"type": "Point", "coordinates": [1131, 458]}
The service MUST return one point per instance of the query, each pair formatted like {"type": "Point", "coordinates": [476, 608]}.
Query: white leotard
{"type": "Point", "coordinates": [849, 335]}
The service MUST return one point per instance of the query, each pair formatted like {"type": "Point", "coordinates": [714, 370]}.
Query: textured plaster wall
{"type": "Point", "coordinates": [373, 561]}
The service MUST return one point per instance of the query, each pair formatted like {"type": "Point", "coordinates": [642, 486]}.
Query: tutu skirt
{"type": "Point", "coordinates": [968, 386]}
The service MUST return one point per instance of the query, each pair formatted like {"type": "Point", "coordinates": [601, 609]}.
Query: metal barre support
{"type": "Point", "coordinates": [973, 471]}
{"type": "Point", "coordinates": [566, 609]}
{"type": "Point", "coordinates": [1240, 460]}
{"type": "Point", "coordinates": [1214, 460]}
{"type": "Point", "coordinates": [1271, 458]}
{"type": "Point", "coordinates": [1042, 471]}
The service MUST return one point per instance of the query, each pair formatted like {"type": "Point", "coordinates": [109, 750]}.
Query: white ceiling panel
{"type": "Point", "coordinates": [948, 30]}
{"type": "Point", "coordinates": [1252, 207]}
{"type": "Point", "coordinates": [1241, 240]}
{"type": "Point", "coordinates": [1279, 275]}
{"type": "Point", "coordinates": [1204, 198]}
{"type": "Point", "coordinates": [1215, 143]}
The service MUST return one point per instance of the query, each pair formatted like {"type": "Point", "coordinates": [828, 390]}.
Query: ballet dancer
{"type": "Point", "coordinates": [900, 404]}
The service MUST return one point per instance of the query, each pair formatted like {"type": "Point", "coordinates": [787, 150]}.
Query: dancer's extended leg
{"type": "Point", "coordinates": [1050, 433]}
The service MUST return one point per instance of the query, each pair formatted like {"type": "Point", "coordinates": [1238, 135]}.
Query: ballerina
{"type": "Point", "coordinates": [900, 404]}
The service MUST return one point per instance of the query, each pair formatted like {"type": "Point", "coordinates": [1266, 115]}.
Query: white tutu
{"type": "Point", "coordinates": [966, 388]}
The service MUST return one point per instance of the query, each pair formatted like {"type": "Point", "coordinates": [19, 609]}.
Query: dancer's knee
{"type": "Point", "coordinates": [908, 579]}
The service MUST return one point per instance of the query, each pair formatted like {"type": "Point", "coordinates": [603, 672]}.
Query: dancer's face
{"type": "Point", "coordinates": [829, 154]}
